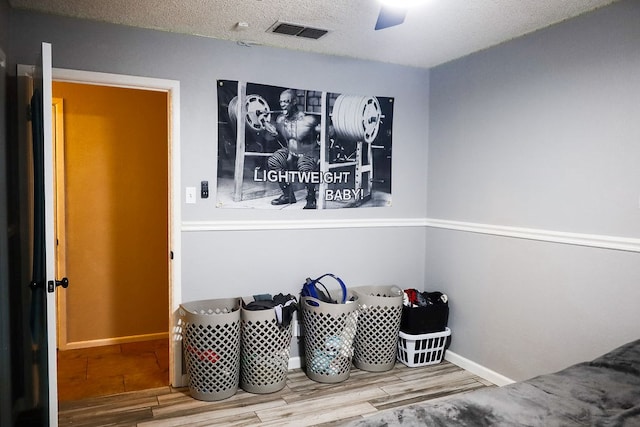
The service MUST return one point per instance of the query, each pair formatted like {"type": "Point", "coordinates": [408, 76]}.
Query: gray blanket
{"type": "Point", "coordinates": [604, 392]}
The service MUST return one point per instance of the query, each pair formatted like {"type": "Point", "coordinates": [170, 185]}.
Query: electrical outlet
{"type": "Point", "coordinates": [296, 328]}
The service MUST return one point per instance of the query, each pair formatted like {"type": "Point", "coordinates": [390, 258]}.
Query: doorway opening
{"type": "Point", "coordinates": [118, 235]}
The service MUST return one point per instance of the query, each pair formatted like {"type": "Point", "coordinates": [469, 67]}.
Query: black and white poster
{"type": "Point", "coordinates": [294, 148]}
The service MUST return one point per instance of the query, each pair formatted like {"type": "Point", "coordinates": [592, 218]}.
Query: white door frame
{"type": "Point", "coordinates": [172, 87]}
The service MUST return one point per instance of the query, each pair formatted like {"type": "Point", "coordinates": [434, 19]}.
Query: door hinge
{"type": "Point", "coordinates": [170, 254]}
{"type": "Point", "coordinates": [29, 112]}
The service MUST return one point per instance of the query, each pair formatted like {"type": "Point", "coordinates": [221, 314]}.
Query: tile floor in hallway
{"type": "Point", "coordinates": [112, 369]}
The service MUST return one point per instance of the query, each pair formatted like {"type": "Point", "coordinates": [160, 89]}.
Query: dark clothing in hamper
{"type": "Point", "coordinates": [284, 306]}
{"type": "Point", "coordinates": [424, 312]}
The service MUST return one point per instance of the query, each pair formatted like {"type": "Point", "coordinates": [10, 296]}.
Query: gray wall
{"type": "Point", "coordinates": [541, 133]}
{"type": "Point", "coordinates": [230, 263]}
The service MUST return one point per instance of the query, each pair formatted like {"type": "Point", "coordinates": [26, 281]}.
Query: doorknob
{"type": "Point", "coordinates": [53, 283]}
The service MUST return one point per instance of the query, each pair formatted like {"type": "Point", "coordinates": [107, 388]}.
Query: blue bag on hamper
{"type": "Point", "coordinates": [310, 289]}
{"type": "Point", "coordinates": [329, 330]}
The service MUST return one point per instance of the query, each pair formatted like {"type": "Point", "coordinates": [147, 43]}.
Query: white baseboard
{"type": "Point", "coordinates": [464, 363]}
{"type": "Point", "coordinates": [296, 363]}
{"type": "Point", "coordinates": [479, 370]}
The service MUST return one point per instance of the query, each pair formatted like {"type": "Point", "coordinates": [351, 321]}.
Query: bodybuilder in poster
{"type": "Point", "coordinates": [331, 150]}
{"type": "Point", "coordinates": [299, 133]}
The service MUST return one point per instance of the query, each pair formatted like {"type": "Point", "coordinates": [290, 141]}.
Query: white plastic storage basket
{"type": "Point", "coordinates": [422, 350]}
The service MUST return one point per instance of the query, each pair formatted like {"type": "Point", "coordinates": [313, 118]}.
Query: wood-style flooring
{"type": "Point", "coordinates": [302, 402]}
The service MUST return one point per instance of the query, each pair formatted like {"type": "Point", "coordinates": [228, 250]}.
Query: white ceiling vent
{"type": "Point", "coordinates": [297, 30]}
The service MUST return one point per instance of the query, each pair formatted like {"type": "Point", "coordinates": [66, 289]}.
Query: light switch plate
{"type": "Point", "coordinates": [190, 195]}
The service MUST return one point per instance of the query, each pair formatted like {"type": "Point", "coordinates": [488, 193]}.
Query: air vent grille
{"type": "Point", "coordinates": [298, 30]}
{"type": "Point", "coordinates": [287, 29]}
{"type": "Point", "coordinates": [312, 33]}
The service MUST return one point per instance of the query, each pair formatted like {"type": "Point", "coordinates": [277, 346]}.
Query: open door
{"type": "Point", "coordinates": [40, 306]}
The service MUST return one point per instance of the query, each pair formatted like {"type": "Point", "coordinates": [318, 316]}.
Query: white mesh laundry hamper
{"type": "Point", "coordinates": [329, 330]}
{"type": "Point", "coordinates": [211, 347]}
{"type": "Point", "coordinates": [376, 340]}
{"type": "Point", "coordinates": [266, 344]}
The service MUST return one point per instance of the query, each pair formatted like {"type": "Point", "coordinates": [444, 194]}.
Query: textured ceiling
{"type": "Point", "coordinates": [433, 33]}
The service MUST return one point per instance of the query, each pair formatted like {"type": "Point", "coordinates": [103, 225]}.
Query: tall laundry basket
{"type": "Point", "coordinates": [211, 347]}
{"type": "Point", "coordinates": [266, 344]}
{"type": "Point", "coordinates": [376, 340]}
{"type": "Point", "coordinates": [329, 330]}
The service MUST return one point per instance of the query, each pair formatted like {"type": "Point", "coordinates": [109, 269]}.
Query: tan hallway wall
{"type": "Point", "coordinates": [116, 211]}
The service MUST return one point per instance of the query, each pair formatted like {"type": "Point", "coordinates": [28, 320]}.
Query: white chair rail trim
{"type": "Point", "coordinates": [580, 239]}
{"type": "Point", "coordinates": [301, 224]}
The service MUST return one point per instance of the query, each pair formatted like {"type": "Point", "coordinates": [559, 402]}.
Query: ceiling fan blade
{"type": "Point", "coordinates": [390, 16]}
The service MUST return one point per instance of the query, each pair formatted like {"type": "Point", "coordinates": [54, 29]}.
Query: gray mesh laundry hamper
{"type": "Point", "coordinates": [264, 360]}
{"type": "Point", "coordinates": [376, 340]}
{"type": "Point", "coordinates": [329, 330]}
{"type": "Point", "coordinates": [211, 347]}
